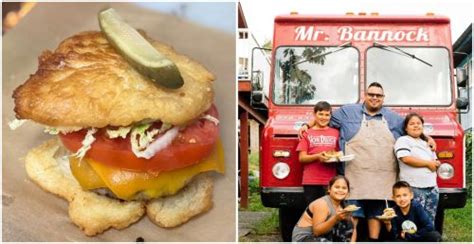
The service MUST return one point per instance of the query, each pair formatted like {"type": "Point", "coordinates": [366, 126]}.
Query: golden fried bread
{"type": "Point", "coordinates": [91, 212]}
{"type": "Point", "coordinates": [351, 208]}
{"type": "Point", "coordinates": [194, 199]}
{"type": "Point", "coordinates": [95, 213]}
{"type": "Point", "coordinates": [86, 83]}
{"type": "Point", "coordinates": [334, 154]}
{"type": "Point", "coordinates": [388, 212]}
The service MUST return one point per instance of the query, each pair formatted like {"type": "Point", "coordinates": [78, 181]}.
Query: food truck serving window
{"type": "Point", "coordinates": [411, 76]}
{"type": "Point", "coordinates": [308, 74]}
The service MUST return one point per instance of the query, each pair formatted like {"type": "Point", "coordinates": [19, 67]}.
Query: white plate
{"type": "Point", "coordinates": [355, 209]}
{"type": "Point", "coordinates": [344, 158]}
{"type": "Point", "coordinates": [382, 217]}
{"type": "Point", "coordinates": [332, 160]}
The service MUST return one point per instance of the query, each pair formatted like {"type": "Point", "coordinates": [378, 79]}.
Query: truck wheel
{"type": "Point", "coordinates": [288, 218]}
{"type": "Point", "coordinates": [439, 219]}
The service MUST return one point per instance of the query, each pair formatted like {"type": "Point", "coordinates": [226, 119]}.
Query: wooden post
{"type": "Point", "coordinates": [244, 159]}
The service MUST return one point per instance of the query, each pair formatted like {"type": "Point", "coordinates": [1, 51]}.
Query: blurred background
{"type": "Point", "coordinates": [217, 17]}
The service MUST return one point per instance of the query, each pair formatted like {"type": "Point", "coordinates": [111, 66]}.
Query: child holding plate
{"type": "Point", "coordinates": [410, 221]}
{"type": "Point", "coordinates": [326, 219]}
{"type": "Point", "coordinates": [314, 148]}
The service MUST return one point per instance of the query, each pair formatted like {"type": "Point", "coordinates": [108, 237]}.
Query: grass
{"type": "Point", "coordinates": [253, 162]}
{"type": "Point", "coordinates": [268, 225]}
{"type": "Point", "coordinates": [458, 224]}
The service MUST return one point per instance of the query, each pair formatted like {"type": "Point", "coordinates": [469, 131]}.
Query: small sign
{"type": "Point", "coordinates": [298, 125]}
{"type": "Point", "coordinates": [428, 128]}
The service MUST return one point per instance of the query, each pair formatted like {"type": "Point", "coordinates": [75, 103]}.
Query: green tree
{"type": "Point", "coordinates": [297, 83]}
{"type": "Point", "coordinates": [268, 44]}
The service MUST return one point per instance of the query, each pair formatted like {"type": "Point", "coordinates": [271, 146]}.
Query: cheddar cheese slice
{"type": "Point", "coordinates": [126, 184]}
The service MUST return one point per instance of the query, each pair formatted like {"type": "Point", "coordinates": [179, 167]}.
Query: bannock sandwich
{"type": "Point", "coordinates": [127, 143]}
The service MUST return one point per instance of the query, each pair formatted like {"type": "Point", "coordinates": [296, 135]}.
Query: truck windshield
{"type": "Point", "coordinates": [408, 81]}
{"type": "Point", "coordinates": [307, 74]}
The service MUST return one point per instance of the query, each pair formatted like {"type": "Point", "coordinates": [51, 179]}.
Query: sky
{"type": "Point", "coordinates": [260, 14]}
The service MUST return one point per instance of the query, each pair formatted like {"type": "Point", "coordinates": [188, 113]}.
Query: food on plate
{"type": "Point", "coordinates": [334, 154]}
{"type": "Point", "coordinates": [388, 213]}
{"type": "Point", "coordinates": [346, 158]}
{"type": "Point", "coordinates": [126, 146]}
{"type": "Point", "coordinates": [351, 208]}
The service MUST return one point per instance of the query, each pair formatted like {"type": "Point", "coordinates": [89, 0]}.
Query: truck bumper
{"type": "Point", "coordinates": [452, 197]}
{"type": "Point", "coordinates": [277, 197]}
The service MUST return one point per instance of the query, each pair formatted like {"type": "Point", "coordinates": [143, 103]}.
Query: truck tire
{"type": "Point", "coordinates": [288, 218]}
{"type": "Point", "coordinates": [439, 220]}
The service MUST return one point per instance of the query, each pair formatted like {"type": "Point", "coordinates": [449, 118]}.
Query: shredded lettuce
{"type": "Point", "coordinates": [86, 143]}
{"type": "Point", "coordinates": [165, 127]}
{"type": "Point", "coordinates": [51, 130]}
{"type": "Point", "coordinates": [120, 132]}
{"type": "Point", "coordinates": [159, 144]}
{"type": "Point", "coordinates": [211, 118]}
{"type": "Point", "coordinates": [64, 130]}
{"type": "Point", "coordinates": [140, 138]}
{"type": "Point", "coordinates": [14, 124]}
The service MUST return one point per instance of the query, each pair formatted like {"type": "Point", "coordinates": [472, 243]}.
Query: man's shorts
{"type": "Point", "coordinates": [369, 208]}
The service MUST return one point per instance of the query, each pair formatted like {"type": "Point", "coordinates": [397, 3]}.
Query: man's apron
{"type": "Point", "coordinates": [373, 171]}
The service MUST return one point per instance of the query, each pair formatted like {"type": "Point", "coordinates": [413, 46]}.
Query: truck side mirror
{"type": "Point", "coordinates": [462, 103]}
{"type": "Point", "coordinates": [461, 77]}
{"type": "Point", "coordinates": [257, 97]}
{"type": "Point", "coordinates": [257, 87]}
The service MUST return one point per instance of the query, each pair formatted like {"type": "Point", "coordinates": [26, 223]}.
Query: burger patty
{"type": "Point", "coordinates": [86, 83]}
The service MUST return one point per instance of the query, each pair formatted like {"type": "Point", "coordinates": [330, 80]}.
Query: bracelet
{"type": "Point", "coordinates": [307, 125]}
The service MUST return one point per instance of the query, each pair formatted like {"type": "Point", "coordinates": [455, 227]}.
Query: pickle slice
{"type": "Point", "coordinates": [138, 51]}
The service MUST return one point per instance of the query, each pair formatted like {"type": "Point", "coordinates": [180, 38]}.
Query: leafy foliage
{"type": "Point", "coordinates": [297, 82]}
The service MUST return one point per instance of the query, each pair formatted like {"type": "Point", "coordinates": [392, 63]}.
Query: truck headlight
{"type": "Point", "coordinates": [281, 154]}
{"type": "Point", "coordinates": [445, 171]}
{"type": "Point", "coordinates": [281, 170]}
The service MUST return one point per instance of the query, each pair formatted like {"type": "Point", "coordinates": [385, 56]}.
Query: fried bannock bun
{"type": "Point", "coordinates": [95, 213]}
{"type": "Point", "coordinates": [334, 154]}
{"type": "Point", "coordinates": [388, 212]}
{"type": "Point", "coordinates": [351, 208]}
{"type": "Point", "coordinates": [96, 87]}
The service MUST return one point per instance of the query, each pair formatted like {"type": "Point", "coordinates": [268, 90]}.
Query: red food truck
{"type": "Point", "coordinates": [334, 58]}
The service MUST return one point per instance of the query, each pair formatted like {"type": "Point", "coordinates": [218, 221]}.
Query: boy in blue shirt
{"type": "Point", "coordinates": [411, 222]}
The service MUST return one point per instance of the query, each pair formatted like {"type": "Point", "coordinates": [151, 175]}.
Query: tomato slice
{"type": "Point", "coordinates": [193, 143]}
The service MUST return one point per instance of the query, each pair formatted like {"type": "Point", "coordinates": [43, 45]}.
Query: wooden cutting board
{"type": "Point", "coordinates": [31, 214]}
